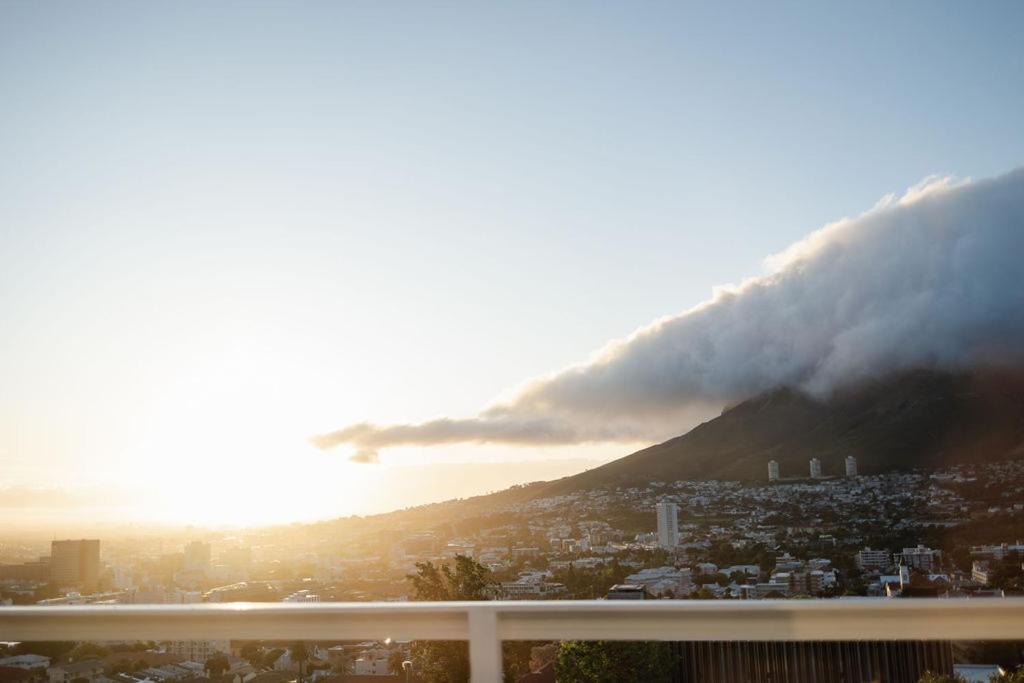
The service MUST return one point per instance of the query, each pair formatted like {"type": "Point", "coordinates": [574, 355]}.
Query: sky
{"type": "Point", "coordinates": [227, 227]}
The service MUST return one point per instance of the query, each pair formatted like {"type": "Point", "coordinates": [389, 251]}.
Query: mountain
{"type": "Point", "coordinates": [916, 419]}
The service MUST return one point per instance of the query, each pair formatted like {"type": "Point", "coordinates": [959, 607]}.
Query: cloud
{"type": "Point", "coordinates": [365, 456]}
{"type": "Point", "coordinates": [930, 279]}
{"type": "Point", "coordinates": [500, 428]}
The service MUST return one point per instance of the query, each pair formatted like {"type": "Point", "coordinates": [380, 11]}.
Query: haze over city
{"type": "Point", "coordinates": [263, 263]}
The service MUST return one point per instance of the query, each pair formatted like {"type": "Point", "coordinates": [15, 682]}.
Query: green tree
{"type": "Point", "coordinates": [395, 660]}
{"type": "Point", "coordinates": [88, 650]}
{"type": "Point", "coordinates": [254, 654]}
{"type": "Point", "coordinates": [270, 657]}
{"type": "Point", "coordinates": [596, 661]}
{"type": "Point", "coordinates": [54, 649]}
{"type": "Point", "coordinates": [929, 677]}
{"type": "Point", "coordinates": [300, 655]}
{"type": "Point", "coordinates": [447, 661]}
{"type": "Point", "coordinates": [216, 666]}
{"type": "Point", "coordinates": [122, 667]}
{"type": "Point", "coordinates": [468, 580]}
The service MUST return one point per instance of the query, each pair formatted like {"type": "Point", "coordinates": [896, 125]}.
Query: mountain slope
{"type": "Point", "coordinates": [915, 419]}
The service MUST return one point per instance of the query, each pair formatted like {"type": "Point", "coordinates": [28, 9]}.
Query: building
{"type": "Point", "coordinates": [668, 524]}
{"type": "Point", "coordinates": [198, 650]}
{"type": "Point", "coordinates": [75, 563]}
{"type": "Point", "coordinates": [38, 571]}
{"type": "Point", "coordinates": [663, 581]}
{"type": "Point", "coordinates": [925, 559]}
{"type": "Point", "coordinates": [816, 582]}
{"type": "Point", "coordinates": [374, 663]}
{"type": "Point", "coordinates": [778, 587]}
{"type": "Point", "coordinates": [88, 669]}
{"type": "Point", "coordinates": [626, 591]}
{"type": "Point", "coordinates": [27, 662]}
{"type": "Point", "coordinates": [997, 552]}
{"type": "Point", "coordinates": [302, 596]}
{"type": "Point", "coordinates": [531, 586]}
{"type": "Point", "coordinates": [815, 468]}
{"type": "Point", "coordinates": [851, 466]}
{"type": "Point", "coordinates": [197, 558]}
{"type": "Point", "coordinates": [981, 571]}
{"type": "Point", "coordinates": [773, 470]}
{"type": "Point", "coordinates": [873, 560]}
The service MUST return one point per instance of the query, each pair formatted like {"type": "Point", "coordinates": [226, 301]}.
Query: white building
{"type": "Point", "coordinates": [997, 552]}
{"type": "Point", "coordinates": [27, 662]}
{"type": "Point", "coordinates": [925, 559]}
{"type": "Point", "coordinates": [878, 560]}
{"type": "Point", "coordinates": [851, 466]}
{"type": "Point", "coordinates": [198, 650]}
{"type": "Point", "coordinates": [668, 524]}
{"type": "Point", "coordinates": [981, 572]}
{"type": "Point", "coordinates": [759, 591]}
{"type": "Point", "coordinates": [815, 468]}
{"type": "Point", "coordinates": [773, 470]}
{"type": "Point", "coordinates": [661, 581]}
{"type": "Point", "coordinates": [371, 664]}
{"type": "Point", "coordinates": [532, 585]}
{"type": "Point", "coordinates": [302, 596]}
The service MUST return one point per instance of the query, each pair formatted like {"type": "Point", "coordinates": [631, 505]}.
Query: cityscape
{"type": "Point", "coordinates": [532, 342]}
{"type": "Point", "coordinates": [947, 534]}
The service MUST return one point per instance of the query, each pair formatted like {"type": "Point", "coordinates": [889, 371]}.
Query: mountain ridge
{"type": "Point", "coordinates": [909, 420]}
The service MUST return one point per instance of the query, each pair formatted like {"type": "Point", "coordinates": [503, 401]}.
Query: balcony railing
{"type": "Point", "coordinates": [486, 624]}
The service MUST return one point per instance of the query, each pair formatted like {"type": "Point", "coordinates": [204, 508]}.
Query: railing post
{"type": "Point", "coordinates": [484, 645]}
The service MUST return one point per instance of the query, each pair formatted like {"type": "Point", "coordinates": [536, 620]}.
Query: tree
{"type": "Point", "coordinates": [216, 666]}
{"type": "Point", "coordinates": [469, 580]}
{"type": "Point", "coordinates": [300, 655]}
{"type": "Point", "coordinates": [464, 579]}
{"type": "Point", "coordinates": [254, 654]}
{"type": "Point", "coordinates": [447, 661]}
{"type": "Point", "coordinates": [395, 660]}
{"type": "Point", "coordinates": [270, 657]}
{"type": "Point", "coordinates": [86, 650]}
{"type": "Point", "coordinates": [596, 661]}
{"type": "Point", "coordinates": [515, 657]}
{"type": "Point", "coordinates": [54, 649]}
{"type": "Point", "coordinates": [929, 677]}
{"type": "Point", "coordinates": [122, 667]}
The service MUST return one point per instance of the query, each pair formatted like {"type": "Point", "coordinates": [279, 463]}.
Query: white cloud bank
{"type": "Point", "coordinates": [932, 279]}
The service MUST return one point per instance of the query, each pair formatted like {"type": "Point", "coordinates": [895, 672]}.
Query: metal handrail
{"type": "Point", "coordinates": [486, 624]}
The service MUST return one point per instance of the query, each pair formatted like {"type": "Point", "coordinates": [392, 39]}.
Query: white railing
{"type": "Point", "coordinates": [486, 624]}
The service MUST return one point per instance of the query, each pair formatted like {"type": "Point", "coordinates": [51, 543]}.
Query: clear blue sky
{"type": "Point", "coordinates": [224, 226]}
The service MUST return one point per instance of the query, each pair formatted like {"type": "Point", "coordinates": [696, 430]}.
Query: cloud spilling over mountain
{"type": "Point", "coordinates": [932, 279]}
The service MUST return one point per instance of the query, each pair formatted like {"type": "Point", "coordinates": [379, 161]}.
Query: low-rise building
{"type": "Point", "coordinates": [873, 560]}
{"type": "Point", "coordinates": [27, 662]}
{"type": "Point", "coordinates": [88, 669]}
{"type": "Point", "coordinates": [626, 591]}
{"type": "Point", "coordinates": [197, 650]}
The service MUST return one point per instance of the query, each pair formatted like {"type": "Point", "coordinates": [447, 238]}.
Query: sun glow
{"type": "Point", "coordinates": [231, 431]}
